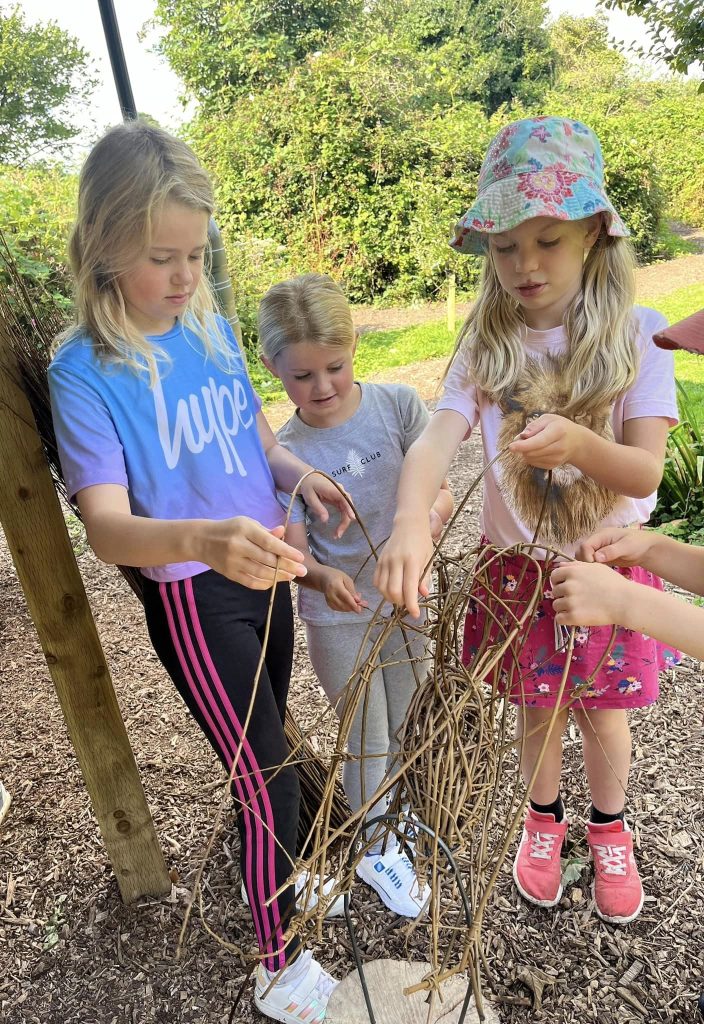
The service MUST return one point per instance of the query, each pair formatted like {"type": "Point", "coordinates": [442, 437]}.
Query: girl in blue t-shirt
{"type": "Point", "coordinates": [164, 447]}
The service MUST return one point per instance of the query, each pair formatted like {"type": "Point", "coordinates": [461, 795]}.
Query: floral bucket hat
{"type": "Point", "coordinates": [537, 167]}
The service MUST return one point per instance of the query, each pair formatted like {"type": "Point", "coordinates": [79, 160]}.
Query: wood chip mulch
{"type": "Point", "coordinates": [71, 953]}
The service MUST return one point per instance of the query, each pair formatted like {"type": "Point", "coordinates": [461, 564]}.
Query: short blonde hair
{"type": "Point", "coordinates": [309, 308]}
{"type": "Point", "coordinates": [131, 173]}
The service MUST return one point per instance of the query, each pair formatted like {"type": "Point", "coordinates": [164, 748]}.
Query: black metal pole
{"type": "Point", "coordinates": [117, 60]}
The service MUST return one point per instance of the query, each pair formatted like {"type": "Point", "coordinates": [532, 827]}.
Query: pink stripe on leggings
{"type": "Point", "coordinates": [244, 777]}
{"type": "Point", "coordinates": [269, 842]}
{"type": "Point", "coordinates": [262, 928]}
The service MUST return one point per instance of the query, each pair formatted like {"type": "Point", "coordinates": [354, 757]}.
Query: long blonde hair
{"type": "Point", "coordinates": [128, 177]}
{"type": "Point", "coordinates": [310, 308]}
{"type": "Point", "coordinates": [601, 334]}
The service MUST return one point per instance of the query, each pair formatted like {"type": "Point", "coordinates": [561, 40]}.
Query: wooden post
{"type": "Point", "coordinates": [451, 303]}
{"type": "Point", "coordinates": [31, 517]}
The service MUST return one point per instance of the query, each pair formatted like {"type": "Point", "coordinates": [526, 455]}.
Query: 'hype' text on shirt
{"type": "Point", "coordinates": [219, 418]}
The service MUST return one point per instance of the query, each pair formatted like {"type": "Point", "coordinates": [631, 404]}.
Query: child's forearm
{"type": "Point", "coordinates": [426, 464]}
{"type": "Point", "coordinates": [666, 618]}
{"type": "Point", "coordinates": [626, 469]}
{"type": "Point", "coordinates": [286, 468]}
{"type": "Point", "coordinates": [120, 538]}
{"type": "Point", "coordinates": [681, 564]}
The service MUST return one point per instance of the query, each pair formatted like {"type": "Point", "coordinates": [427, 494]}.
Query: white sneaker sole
{"type": "Point", "coordinates": [274, 1013]}
{"type": "Point", "coordinates": [532, 899]}
{"type": "Point", "coordinates": [618, 920]}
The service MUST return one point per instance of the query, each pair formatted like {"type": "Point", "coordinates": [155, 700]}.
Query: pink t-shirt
{"type": "Point", "coordinates": [576, 506]}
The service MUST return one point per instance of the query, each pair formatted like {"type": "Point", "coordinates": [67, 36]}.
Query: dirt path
{"type": "Point", "coordinates": [654, 280]}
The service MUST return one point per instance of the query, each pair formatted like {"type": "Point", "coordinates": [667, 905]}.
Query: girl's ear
{"type": "Point", "coordinates": [593, 229]}
{"type": "Point", "coordinates": [269, 363]}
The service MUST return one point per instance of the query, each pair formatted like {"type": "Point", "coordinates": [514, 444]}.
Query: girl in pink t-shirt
{"type": "Point", "coordinates": [556, 366]}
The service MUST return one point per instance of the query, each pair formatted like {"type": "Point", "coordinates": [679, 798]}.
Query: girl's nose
{"type": "Point", "coordinates": [526, 259]}
{"type": "Point", "coordinates": [183, 274]}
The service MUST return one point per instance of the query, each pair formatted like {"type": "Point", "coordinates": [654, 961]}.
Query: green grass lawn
{"type": "Point", "coordinates": [380, 350]}
{"type": "Point", "coordinates": [689, 369]}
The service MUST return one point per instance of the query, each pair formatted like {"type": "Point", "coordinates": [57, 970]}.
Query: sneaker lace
{"type": "Point", "coordinates": [612, 859]}
{"type": "Point", "coordinates": [541, 845]}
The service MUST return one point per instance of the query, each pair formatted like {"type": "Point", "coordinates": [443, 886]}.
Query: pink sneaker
{"type": "Point", "coordinates": [536, 869]}
{"type": "Point", "coordinates": [617, 888]}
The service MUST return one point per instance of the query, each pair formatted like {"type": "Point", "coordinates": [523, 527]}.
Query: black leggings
{"type": "Point", "coordinates": [208, 633]}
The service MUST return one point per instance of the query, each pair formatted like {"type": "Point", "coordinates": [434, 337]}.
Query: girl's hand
{"type": "Point", "coordinates": [616, 546]}
{"type": "Point", "coordinates": [317, 491]}
{"type": "Point", "coordinates": [549, 441]}
{"type": "Point", "coordinates": [590, 595]}
{"type": "Point", "coordinates": [398, 572]}
{"type": "Point", "coordinates": [246, 552]}
{"type": "Point", "coordinates": [340, 592]}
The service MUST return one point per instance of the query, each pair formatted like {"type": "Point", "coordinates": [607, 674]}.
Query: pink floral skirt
{"type": "Point", "coordinates": [628, 676]}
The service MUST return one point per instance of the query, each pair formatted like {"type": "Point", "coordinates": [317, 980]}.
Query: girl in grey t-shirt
{"type": "Point", "coordinates": [358, 434]}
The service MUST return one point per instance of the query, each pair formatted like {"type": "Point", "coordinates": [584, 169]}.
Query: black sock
{"type": "Point", "coordinates": [598, 817]}
{"type": "Point", "coordinates": [556, 807]}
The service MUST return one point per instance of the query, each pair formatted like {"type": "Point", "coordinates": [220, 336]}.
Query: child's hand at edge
{"type": "Point", "coordinates": [589, 594]}
{"type": "Point", "coordinates": [340, 592]}
{"type": "Point", "coordinates": [317, 491]}
{"type": "Point", "coordinates": [617, 546]}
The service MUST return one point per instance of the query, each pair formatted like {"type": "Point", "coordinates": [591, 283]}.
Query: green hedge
{"type": "Point", "coordinates": [38, 206]}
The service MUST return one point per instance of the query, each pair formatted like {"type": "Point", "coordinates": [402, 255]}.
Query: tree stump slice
{"type": "Point", "coordinates": [386, 980]}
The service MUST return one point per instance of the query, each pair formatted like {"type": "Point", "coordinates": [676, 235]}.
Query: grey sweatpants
{"type": "Point", "coordinates": [333, 651]}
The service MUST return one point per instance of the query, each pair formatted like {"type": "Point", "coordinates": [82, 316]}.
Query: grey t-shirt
{"type": "Point", "coordinates": [364, 455]}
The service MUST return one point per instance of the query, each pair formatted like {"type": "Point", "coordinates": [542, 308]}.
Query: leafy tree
{"type": "Point", "coordinates": [676, 28]}
{"type": "Point", "coordinates": [494, 50]}
{"type": "Point", "coordinates": [222, 48]}
{"type": "Point", "coordinates": [44, 76]}
{"type": "Point", "coordinates": [581, 49]}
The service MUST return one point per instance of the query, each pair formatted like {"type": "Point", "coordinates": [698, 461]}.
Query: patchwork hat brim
{"type": "Point", "coordinates": [506, 203]}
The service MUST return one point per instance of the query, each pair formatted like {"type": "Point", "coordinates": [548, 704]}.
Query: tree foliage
{"type": "Point", "coordinates": [223, 48]}
{"type": "Point", "coordinates": [44, 76]}
{"type": "Point", "coordinates": [492, 50]}
{"type": "Point", "coordinates": [676, 29]}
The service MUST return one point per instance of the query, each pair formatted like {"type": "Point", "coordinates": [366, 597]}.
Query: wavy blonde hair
{"type": "Point", "coordinates": [601, 333]}
{"type": "Point", "coordinates": [310, 308]}
{"type": "Point", "coordinates": [128, 177]}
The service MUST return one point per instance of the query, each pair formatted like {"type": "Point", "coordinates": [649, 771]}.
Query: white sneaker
{"type": "Point", "coordinates": [391, 874]}
{"type": "Point", "coordinates": [336, 908]}
{"type": "Point", "coordinates": [300, 994]}
{"type": "Point", "coordinates": [5, 801]}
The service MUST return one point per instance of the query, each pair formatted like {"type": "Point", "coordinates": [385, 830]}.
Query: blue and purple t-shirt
{"type": "Point", "coordinates": [186, 449]}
